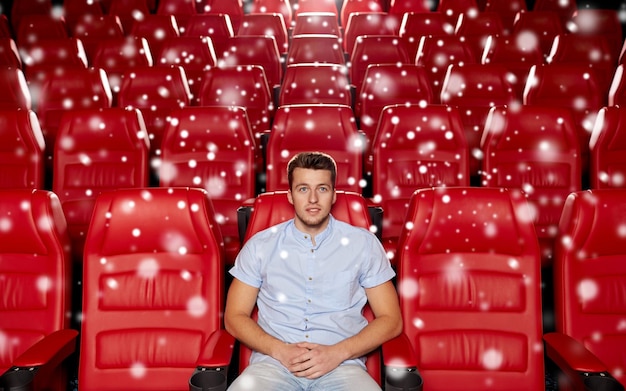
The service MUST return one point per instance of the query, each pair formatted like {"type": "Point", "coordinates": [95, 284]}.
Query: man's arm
{"type": "Point", "coordinates": [387, 324]}
{"type": "Point", "coordinates": [239, 323]}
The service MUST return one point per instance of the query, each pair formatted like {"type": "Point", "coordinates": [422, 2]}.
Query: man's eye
{"type": "Point", "coordinates": [323, 189]}
{"type": "Point", "coordinates": [302, 189]}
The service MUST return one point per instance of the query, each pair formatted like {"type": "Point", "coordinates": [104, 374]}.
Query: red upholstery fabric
{"type": "Point", "coordinates": [21, 150]}
{"type": "Point", "coordinates": [282, 7]}
{"type": "Point", "coordinates": [469, 286]}
{"type": "Point", "coordinates": [213, 148]}
{"type": "Point", "coordinates": [315, 83]}
{"type": "Point", "coordinates": [325, 128]}
{"type": "Point", "coordinates": [35, 272]}
{"type": "Point", "coordinates": [316, 23]}
{"type": "Point", "coordinates": [608, 148]}
{"type": "Point", "coordinates": [218, 27]}
{"type": "Point", "coordinates": [315, 48]}
{"type": "Point", "coordinates": [416, 25]}
{"type": "Point", "coordinates": [36, 27]}
{"type": "Point", "coordinates": [367, 23]}
{"type": "Point", "coordinates": [534, 149]}
{"type": "Point", "coordinates": [415, 147]}
{"type": "Point", "coordinates": [98, 150]}
{"type": "Point", "coordinates": [91, 29]}
{"type": "Point", "coordinates": [350, 6]}
{"type": "Point", "coordinates": [254, 50]}
{"type": "Point", "coordinates": [153, 283]}
{"type": "Point", "coordinates": [589, 273]}
{"type": "Point", "coordinates": [155, 29]}
{"type": "Point", "coordinates": [16, 94]}
{"type": "Point", "coordinates": [266, 24]}
{"type": "Point", "coordinates": [541, 26]}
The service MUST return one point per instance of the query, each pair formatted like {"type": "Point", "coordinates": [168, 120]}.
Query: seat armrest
{"type": "Point", "coordinates": [34, 368]}
{"type": "Point", "coordinates": [243, 217]}
{"type": "Point", "coordinates": [212, 365]}
{"type": "Point", "coordinates": [582, 369]}
{"type": "Point", "coordinates": [218, 350]}
{"type": "Point", "coordinates": [401, 365]}
{"type": "Point", "coordinates": [51, 350]}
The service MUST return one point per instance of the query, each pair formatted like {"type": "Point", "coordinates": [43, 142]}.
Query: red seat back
{"type": "Point", "coordinates": [416, 25]}
{"type": "Point", "coordinates": [213, 148]}
{"type": "Point", "coordinates": [368, 23]}
{"type": "Point", "coordinates": [98, 150]}
{"type": "Point", "coordinates": [326, 128]}
{"type": "Point", "coordinates": [266, 24]}
{"type": "Point", "coordinates": [282, 7]}
{"type": "Point", "coordinates": [534, 149]}
{"type": "Point", "coordinates": [469, 285]}
{"type": "Point", "coordinates": [154, 256]}
{"type": "Point", "coordinates": [155, 29]}
{"type": "Point", "coordinates": [16, 94]}
{"type": "Point", "coordinates": [589, 270]}
{"type": "Point", "coordinates": [21, 150]}
{"type": "Point", "coordinates": [315, 48]}
{"type": "Point", "coordinates": [608, 147]}
{"type": "Point", "coordinates": [254, 50]}
{"type": "Point", "coordinates": [317, 23]}
{"type": "Point", "coordinates": [35, 268]}
{"type": "Point", "coordinates": [415, 147]}
{"type": "Point", "coordinates": [315, 83]}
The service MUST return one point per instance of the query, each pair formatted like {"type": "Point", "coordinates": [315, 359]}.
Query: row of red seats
{"type": "Point", "coordinates": [152, 297]}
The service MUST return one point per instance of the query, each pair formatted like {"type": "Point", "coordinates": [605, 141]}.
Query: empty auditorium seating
{"type": "Point", "coordinates": [212, 148]}
{"type": "Point", "coordinates": [398, 8]}
{"type": "Point", "coordinates": [569, 85]}
{"type": "Point", "coordinates": [375, 49]}
{"type": "Point", "coordinates": [475, 28]}
{"type": "Point", "coordinates": [469, 287]}
{"type": "Point", "coordinates": [74, 10]}
{"type": "Point", "coordinates": [35, 27]}
{"type": "Point", "coordinates": [16, 94]}
{"type": "Point", "coordinates": [316, 23]}
{"type": "Point", "coordinates": [118, 55]}
{"type": "Point", "coordinates": [326, 128]}
{"type": "Point", "coordinates": [453, 8]}
{"type": "Point", "coordinates": [182, 10]}
{"type": "Point", "coordinates": [232, 8]}
{"type": "Point", "coordinates": [607, 147]}
{"type": "Point", "coordinates": [587, 276]}
{"type": "Point", "coordinates": [36, 289]}
{"type": "Point", "coordinates": [28, 7]}
{"type": "Point", "coordinates": [155, 29]}
{"type": "Point", "coordinates": [516, 52]}
{"type": "Point", "coordinates": [193, 54]}
{"type": "Point", "coordinates": [69, 89]}
{"type": "Point", "coordinates": [350, 6]}
{"type": "Point", "coordinates": [244, 86]}
{"type": "Point", "coordinates": [592, 50]}
{"type": "Point", "coordinates": [415, 147]}
{"type": "Point", "coordinates": [316, 6]}
{"type": "Point", "coordinates": [266, 24]}
{"type": "Point", "coordinates": [435, 53]}
{"type": "Point", "coordinates": [475, 89]}
{"type": "Point", "coordinates": [315, 83]}
{"type": "Point", "coordinates": [315, 48]}
{"type": "Point", "coordinates": [282, 7]}
{"type": "Point", "coordinates": [216, 26]}
{"type": "Point", "coordinates": [540, 27]}
{"type": "Point", "coordinates": [563, 8]}
{"type": "Point", "coordinates": [507, 10]}
{"type": "Point", "coordinates": [272, 208]}
{"type": "Point", "coordinates": [98, 150]}
{"type": "Point", "coordinates": [155, 91]}
{"type": "Point", "coordinates": [534, 149]}
{"type": "Point", "coordinates": [91, 29]}
{"type": "Point", "coordinates": [9, 54]}
{"type": "Point", "coordinates": [128, 11]}
{"type": "Point", "coordinates": [416, 25]}
{"type": "Point", "coordinates": [155, 258]}
{"type": "Point", "coordinates": [254, 50]}
{"type": "Point", "coordinates": [22, 150]}
{"type": "Point", "coordinates": [367, 23]}
{"type": "Point", "coordinates": [604, 22]}
{"type": "Point", "coordinates": [387, 84]}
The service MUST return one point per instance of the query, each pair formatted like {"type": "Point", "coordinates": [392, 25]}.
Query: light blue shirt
{"type": "Point", "coordinates": [312, 293]}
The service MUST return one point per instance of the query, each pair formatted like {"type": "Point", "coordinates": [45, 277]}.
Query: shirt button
{"type": "Point", "coordinates": [306, 336]}
{"type": "Point", "coordinates": [312, 250]}
{"type": "Point", "coordinates": [310, 278]}
{"type": "Point", "coordinates": [308, 300]}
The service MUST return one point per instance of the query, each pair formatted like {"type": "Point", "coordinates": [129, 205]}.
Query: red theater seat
{"type": "Point", "coordinates": [155, 91]}
{"type": "Point", "coordinates": [588, 272]}
{"type": "Point", "coordinates": [21, 8]}
{"type": "Point", "coordinates": [266, 24]}
{"type": "Point", "coordinates": [474, 28]}
{"type": "Point", "coordinates": [155, 257]}
{"type": "Point", "coordinates": [507, 10]}
{"type": "Point", "coordinates": [325, 128]}
{"type": "Point", "coordinates": [282, 7]}
{"type": "Point", "coordinates": [273, 208]}
{"type": "Point", "coordinates": [608, 149]}
{"type": "Point", "coordinates": [475, 89]}
{"type": "Point", "coordinates": [540, 27]}
{"type": "Point", "coordinates": [129, 11]}
{"type": "Point", "coordinates": [469, 285]}
{"type": "Point", "coordinates": [232, 8]}
{"type": "Point", "coordinates": [91, 29]}
{"type": "Point", "coordinates": [534, 149]}
{"type": "Point", "coordinates": [416, 25]}
{"type": "Point", "coordinates": [350, 6]}
{"type": "Point", "coordinates": [317, 23]}
{"type": "Point", "coordinates": [367, 23]}
{"type": "Point", "coordinates": [98, 150]}
{"type": "Point", "coordinates": [75, 10]}
{"type": "Point", "coordinates": [36, 288]}
{"type": "Point", "coordinates": [155, 29]}
{"type": "Point", "coordinates": [453, 8]}
{"type": "Point", "coordinates": [315, 49]}
{"type": "Point", "coordinates": [317, 6]}
{"type": "Point", "coordinates": [254, 50]}
{"type": "Point", "coordinates": [182, 10]}
{"type": "Point", "coordinates": [564, 8]}
{"type": "Point", "coordinates": [35, 27]}
{"type": "Point", "coordinates": [315, 83]}
{"type": "Point", "coordinates": [9, 54]}
{"type": "Point", "coordinates": [415, 147]}
{"type": "Point", "coordinates": [213, 148]}
{"type": "Point", "coordinates": [16, 94]}
{"type": "Point", "coordinates": [21, 150]}
{"type": "Point", "coordinates": [598, 21]}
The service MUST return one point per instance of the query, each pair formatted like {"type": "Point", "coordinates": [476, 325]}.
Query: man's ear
{"type": "Point", "coordinates": [290, 197]}
{"type": "Point", "coordinates": [334, 196]}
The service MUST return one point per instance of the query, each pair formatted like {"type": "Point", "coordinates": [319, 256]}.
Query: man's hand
{"type": "Point", "coordinates": [316, 361]}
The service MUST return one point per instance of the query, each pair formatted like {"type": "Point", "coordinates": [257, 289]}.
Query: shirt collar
{"type": "Point", "coordinates": [305, 238]}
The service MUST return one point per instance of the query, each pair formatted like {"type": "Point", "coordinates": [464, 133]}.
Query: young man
{"type": "Point", "coordinates": [310, 278]}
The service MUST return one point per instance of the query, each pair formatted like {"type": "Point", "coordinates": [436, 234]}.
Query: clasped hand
{"type": "Point", "coordinates": [310, 360]}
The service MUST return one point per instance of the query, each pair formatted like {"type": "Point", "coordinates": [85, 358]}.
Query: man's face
{"type": "Point", "coordinates": [312, 195]}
